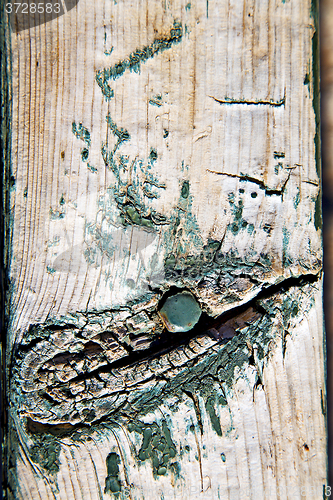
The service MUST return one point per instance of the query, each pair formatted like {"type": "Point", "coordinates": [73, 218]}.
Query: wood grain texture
{"type": "Point", "coordinates": [159, 146]}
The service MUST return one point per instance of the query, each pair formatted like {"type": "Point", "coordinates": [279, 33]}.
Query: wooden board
{"type": "Point", "coordinates": [160, 147]}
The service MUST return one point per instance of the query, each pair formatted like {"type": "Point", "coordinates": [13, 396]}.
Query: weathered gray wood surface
{"type": "Point", "coordinates": [160, 146]}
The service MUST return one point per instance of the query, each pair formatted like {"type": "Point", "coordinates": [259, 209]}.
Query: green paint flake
{"type": "Point", "coordinates": [154, 103]}
{"type": "Point", "coordinates": [81, 132]}
{"type": "Point", "coordinates": [121, 134]}
{"type": "Point", "coordinates": [278, 154]}
{"type": "Point", "coordinates": [131, 197]}
{"type": "Point", "coordinates": [184, 233]}
{"type": "Point", "coordinates": [223, 457]}
{"type": "Point", "coordinates": [46, 453]}
{"type": "Point", "coordinates": [84, 154]}
{"type": "Point", "coordinates": [210, 407]}
{"type": "Point", "coordinates": [112, 481]}
{"type": "Point", "coordinates": [238, 223]}
{"type": "Point", "coordinates": [57, 214]}
{"type": "Point", "coordinates": [207, 390]}
{"type": "Point", "coordinates": [188, 6]}
{"type": "Point", "coordinates": [156, 100]}
{"type": "Point", "coordinates": [108, 52]}
{"type": "Point", "coordinates": [50, 270]}
{"type": "Point", "coordinates": [136, 58]}
{"type": "Point", "coordinates": [277, 168]}
{"type": "Point", "coordinates": [185, 191]}
{"type": "Point", "coordinates": [306, 80]}
{"type": "Point", "coordinates": [153, 155]}
{"type": "Point", "coordinates": [285, 242]}
{"type": "Point", "coordinates": [297, 199]}
{"type": "Point", "coordinates": [92, 168]}
{"type": "Point", "coordinates": [157, 446]}
{"type": "Point", "coordinates": [187, 30]}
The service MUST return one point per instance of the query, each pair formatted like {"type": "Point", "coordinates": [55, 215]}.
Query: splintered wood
{"type": "Point", "coordinates": [166, 152]}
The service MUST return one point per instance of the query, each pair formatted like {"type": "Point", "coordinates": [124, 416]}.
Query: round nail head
{"type": "Point", "coordinates": [180, 312]}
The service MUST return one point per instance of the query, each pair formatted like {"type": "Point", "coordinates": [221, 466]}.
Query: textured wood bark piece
{"type": "Point", "coordinates": [165, 152]}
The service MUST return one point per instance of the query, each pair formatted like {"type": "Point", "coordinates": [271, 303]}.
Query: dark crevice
{"type": "Point", "coordinates": [168, 341]}
{"type": "Point", "coordinates": [258, 102]}
{"type": "Point", "coordinates": [65, 326]}
{"type": "Point", "coordinates": [244, 177]}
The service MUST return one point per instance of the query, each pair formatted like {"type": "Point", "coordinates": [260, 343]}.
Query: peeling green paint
{"type": "Point", "coordinates": [279, 154]}
{"type": "Point", "coordinates": [112, 482]}
{"type": "Point", "coordinates": [278, 168]}
{"type": "Point", "coordinates": [157, 446]}
{"type": "Point", "coordinates": [184, 233]}
{"type": "Point", "coordinates": [218, 366]}
{"type": "Point", "coordinates": [209, 393]}
{"type": "Point", "coordinates": [239, 223]}
{"type": "Point", "coordinates": [152, 155]}
{"type": "Point", "coordinates": [135, 59]}
{"type": "Point", "coordinates": [92, 168]}
{"type": "Point", "coordinates": [84, 154]}
{"type": "Point", "coordinates": [250, 228]}
{"type": "Point", "coordinates": [133, 187]}
{"type": "Point", "coordinates": [156, 100]}
{"type": "Point", "coordinates": [81, 132]}
{"type": "Point", "coordinates": [285, 243]}
{"type": "Point", "coordinates": [57, 213]}
{"type": "Point", "coordinates": [12, 183]}
{"type": "Point", "coordinates": [185, 189]}
{"type": "Point", "coordinates": [45, 452]}
{"type": "Point", "coordinates": [306, 79]}
{"type": "Point", "coordinates": [297, 199]}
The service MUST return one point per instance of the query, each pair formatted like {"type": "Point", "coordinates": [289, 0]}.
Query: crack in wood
{"type": "Point", "coordinates": [259, 102]}
{"type": "Point", "coordinates": [244, 177]}
{"type": "Point", "coordinates": [95, 394]}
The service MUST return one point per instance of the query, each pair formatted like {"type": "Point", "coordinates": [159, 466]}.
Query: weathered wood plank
{"type": "Point", "coordinates": [159, 147]}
